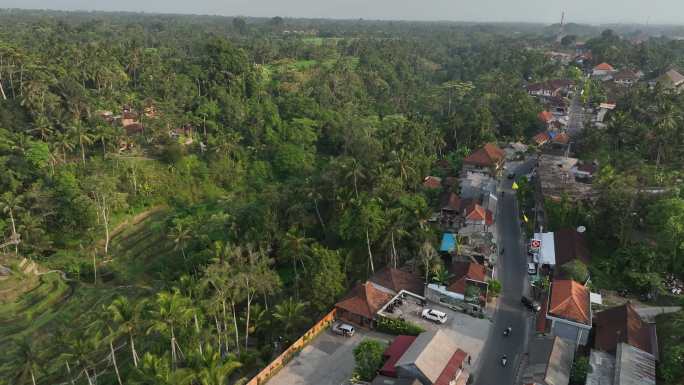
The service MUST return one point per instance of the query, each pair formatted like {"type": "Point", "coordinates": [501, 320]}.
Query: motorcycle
{"type": "Point", "coordinates": [507, 332]}
{"type": "Point", "coordinates": [504, 360]}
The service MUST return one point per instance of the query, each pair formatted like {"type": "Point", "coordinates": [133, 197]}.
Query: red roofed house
{"type": "Point", "coordinates": [488, 159]}
{"type": "Point", "coordinates": [362, 304]}
{"type": "Point", "coordinates": [541, 138]}
{"type": "Point", "coordinates": [602, 70]}
{"type": "Point", "coordinates": [561, 139]}
{"type": "Point", "coordinates": [465, 273]}
{"type": "Point", "coordinates": [623, 324]}
{"type": "Point", "coordinates": [569, 311]}
{"type": "Point", "coordinates": [433, 359]}
{"type": "Point", "coordinates": [476, 215]}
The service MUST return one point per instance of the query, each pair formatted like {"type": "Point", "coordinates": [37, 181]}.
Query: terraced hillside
{"type": "Point", "coordinates": [36, 304]}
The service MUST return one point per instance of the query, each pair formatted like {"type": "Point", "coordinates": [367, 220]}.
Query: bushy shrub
{"type": "Point", "coordinates": [368, 356]}
{"type": "Point", "coordinates": [398, 326]}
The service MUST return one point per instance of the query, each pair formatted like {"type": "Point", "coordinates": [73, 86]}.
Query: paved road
{"type": "Point", "coordinates": [575, 116]}
{"type": "Point", "coordinates": [513, 275]}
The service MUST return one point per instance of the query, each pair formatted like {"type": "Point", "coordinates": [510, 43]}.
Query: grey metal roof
{"type": "Point", "coordinates": [602, 368]}
{"type": "Point", "coordinates": [633, 366]}
{"type": "Point", "coordinates": [384, 380]}
{"type": "Point", "coordinates": [549, 361]}
{"type": "Point", "coordinates": [430, 353]}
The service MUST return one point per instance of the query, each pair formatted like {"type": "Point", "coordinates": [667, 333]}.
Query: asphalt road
{"type": "Point", "coordinates": [512, 272]}
{"type": "Point", "coordinates": [575, 117]}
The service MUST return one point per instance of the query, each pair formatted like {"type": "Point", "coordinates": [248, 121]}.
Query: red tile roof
{"type": "Point", "coordinates": [465, 270]}
{"type": "Point", "coordinates": [393, 352]}
{"type": "Point", "coordinates": [398, 280]}
{"type": "Point", "coordinates": [432, 182]}
{"type": "Point", "coordinates": [488, 156]}
{"type": "Point", "coordinates": [452, 367]}
{"type": "Point", "coordinates": [570, 300]}
{"type": "Point", "coordinates": [545, 116]}
{"type": "Point", "coordinates": [541, 138]}
{"type": "Point", "coordinates": [604, 67]}
{"type": "Point", "coordinates": [622, 324]}
{"type": "Point", "coordinates": [364, 300]}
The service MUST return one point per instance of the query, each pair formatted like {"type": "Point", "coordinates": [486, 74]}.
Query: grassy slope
{"type": "Point", "coordinates": [44, 303]}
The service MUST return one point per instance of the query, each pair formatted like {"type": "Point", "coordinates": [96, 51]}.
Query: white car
{"type": "Point", "coordinates": [343, 329]}
{"type": "Point", "coordinates": [531, 269]}
{"type": "Point", "coordinates": [435, 316]}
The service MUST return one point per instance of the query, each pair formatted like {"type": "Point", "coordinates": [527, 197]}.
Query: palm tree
{"type": "Point", "coordinates": [172, 310]}
{"type": "Point", "coordinates": [82, 136]}
{"type": "Point", "coordinates": [80, 348]}
{"type": "Point", "coordinates": [180, 235]}
{"type": "Point", "coordinates": [10, 204]}
{"type": "Point", "coordinates": [112, 333]}
{"type": "Point", "coordinates": [63, 142]}
{"type": "Point", "coordinates": [295, 247]}
{"type": "Point", "coordinates": [154, 370]}
{"type": "Point", "coordinates": [441, 275]}
{"type": "Point", "coordinates": [209, 368]}
{"type": "Point", "coordinates": [291, 315]}
{"type": "Point", "coordinates": [28, 360]}
{"type": "Point", "coordinates": [126, 318]}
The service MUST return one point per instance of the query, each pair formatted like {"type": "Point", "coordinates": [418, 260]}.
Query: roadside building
{"type": "Point", "coordinates": [549, 361]}
{"type": "Point", "coordinates": [384, 380]}
{"type": "Point", "coordinates": [489, 160]}
{"type": "Point", "coordinates": [433, 359]}
{"type": "Point", "coordinates": [622, 324]}
{"type": "Point", "coordinates": [567, 312]}
{"type": "Point", "coordinates": [556, 179]}
{"type": "Point", "coordinates": [541, 138]}
{"type": "Point", "coordinates": [393, 353]}
{"type": "Point", "coordinates": [634, 366]}
{"type": "Point", "coordinates": [570, 245]}
{"type": "Point", "coordinates": [362, 304]}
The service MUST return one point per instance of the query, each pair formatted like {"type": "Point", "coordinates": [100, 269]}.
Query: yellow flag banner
{"type": "Point", "coordinates": [525, 218]}
{"type": "Point", "coordinates": [515, 186]}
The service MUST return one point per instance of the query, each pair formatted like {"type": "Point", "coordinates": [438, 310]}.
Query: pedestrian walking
{"type": "Point", "coordinates": [469, 360]}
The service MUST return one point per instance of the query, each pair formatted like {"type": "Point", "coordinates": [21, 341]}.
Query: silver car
{"type": "Point", "coordinates": [435, 316]}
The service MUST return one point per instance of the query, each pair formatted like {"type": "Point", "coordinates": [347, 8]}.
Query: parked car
{"type": "Point", "coordinates": [530, 304]}
{"type": "Point", "coordinates": [511, 175]}
{"type": "Point", "coordinates": [531, 269]}
{"type": "Point", "coordinates": [343, 329]}
{"type": "Point", "coordinates": [435, 316]}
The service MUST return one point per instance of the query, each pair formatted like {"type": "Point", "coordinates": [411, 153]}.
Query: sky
{"type": "Point", "coordinates": [544, 11]}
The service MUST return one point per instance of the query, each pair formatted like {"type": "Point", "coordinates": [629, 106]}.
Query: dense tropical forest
{"type": "Point", "coordinates": [268, 165]}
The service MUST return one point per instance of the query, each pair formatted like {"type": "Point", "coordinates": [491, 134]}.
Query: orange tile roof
{"type": "Point", "coordinates": [487, 156]}
{"type": "Point", "coordinates": [475, 212]}
{"type": "Point", "coordinates": [545, 116]}
{"type": "Point", "coordinates": [562, 138]}
{"type": "Point", "coordinates": [364, 300]}
{"type": "Point", "coordinates": [398, 280]}
{"type": "Point", "coordinates": [604, 67]}
{"type": "Point", "coordinates": [570, 300]}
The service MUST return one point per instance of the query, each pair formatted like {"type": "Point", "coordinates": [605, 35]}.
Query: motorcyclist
{"type": "Point", "coordinates": [504, 359]}
{"type": "Point", "coordinates": [508, 331]}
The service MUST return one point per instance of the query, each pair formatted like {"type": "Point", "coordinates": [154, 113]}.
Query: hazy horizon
{"type": "Point", "coordinates": [533, 11]}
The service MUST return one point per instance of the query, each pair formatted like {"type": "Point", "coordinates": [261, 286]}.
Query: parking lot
{"type": "Point", "coordinates": [469, 332]}
{"type": "Point", "coordinates": [327, 360]}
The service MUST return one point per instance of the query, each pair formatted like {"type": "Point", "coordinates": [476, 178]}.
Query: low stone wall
{"type": "Point", "coordinates": [280, 361]}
